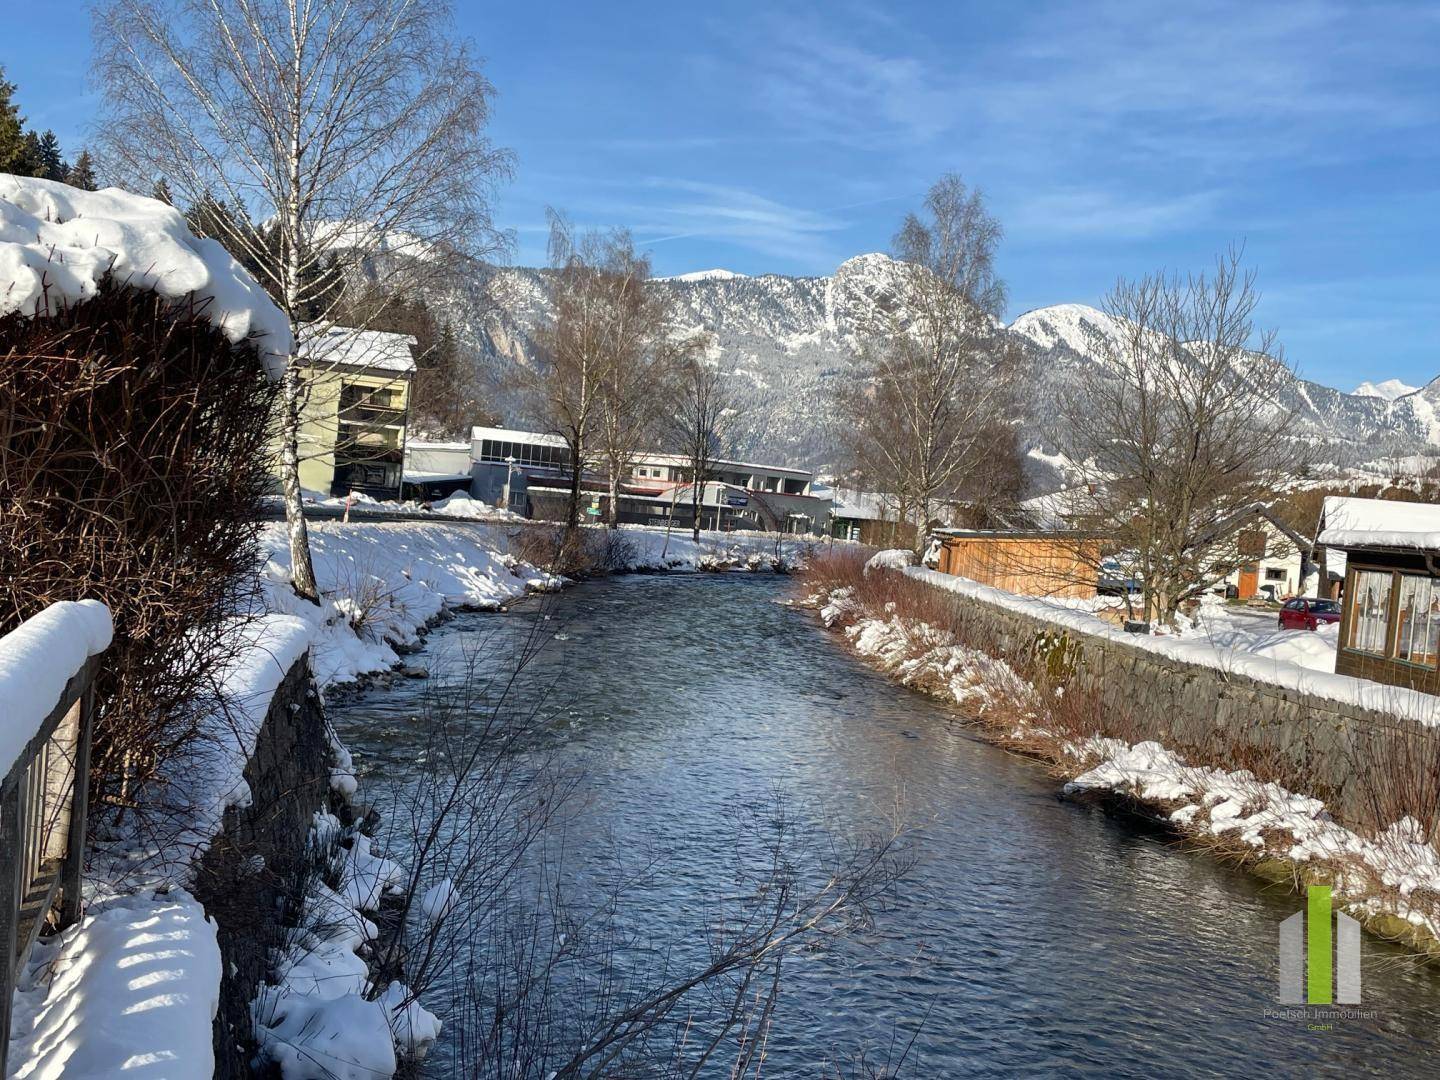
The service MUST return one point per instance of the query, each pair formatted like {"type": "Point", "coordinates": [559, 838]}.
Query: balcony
{"type": "Point", "coordinates": [369, 435]}
{"type": "Point", "coordinates": [372, 415]}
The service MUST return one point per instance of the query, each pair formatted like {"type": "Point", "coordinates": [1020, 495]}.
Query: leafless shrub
{"type": "Point", "coordinates": [132, 462]}
{"type": "Point", "coordinates": [576, 553]}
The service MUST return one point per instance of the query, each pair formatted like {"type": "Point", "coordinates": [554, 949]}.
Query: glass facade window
{"type": "Point", "coordinates": [535, 454]}
{"type": "Point", "coordinates": [1417, 637]}
{"type": "Point", "coordinates": [1370, 611]}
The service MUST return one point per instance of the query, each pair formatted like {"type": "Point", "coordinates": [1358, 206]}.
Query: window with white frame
{"type": "Point", "coordinates": [1370, 611]}
{"type": "Point", "coordinates": [1417, 637]}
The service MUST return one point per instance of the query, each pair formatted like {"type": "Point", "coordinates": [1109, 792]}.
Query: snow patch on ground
{"type": "Point", "coordinates": [129, 993]}
{"type": "Point", "coordinates": [382, 583]}
{"type": "Point", "coordinates": [321, 1018]}
{"type": "Point", "coordinates": [1267, 817]}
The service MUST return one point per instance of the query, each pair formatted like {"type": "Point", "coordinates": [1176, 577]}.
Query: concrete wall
{"type": "Point", "coordinates": [1206, 714]}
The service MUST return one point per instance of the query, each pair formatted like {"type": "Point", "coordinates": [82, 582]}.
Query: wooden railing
{"type": "Point", "coordinates": [42, 832]}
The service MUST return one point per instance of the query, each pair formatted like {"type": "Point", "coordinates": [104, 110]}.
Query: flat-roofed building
{"type": "Point", "coordinates": [534, 467]}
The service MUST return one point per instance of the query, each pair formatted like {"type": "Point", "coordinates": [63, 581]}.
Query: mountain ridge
{"type": "Point", "coordinates": [782, 340]}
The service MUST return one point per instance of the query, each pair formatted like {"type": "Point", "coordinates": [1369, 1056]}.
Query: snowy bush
{"type": "Point", "coordinates": [890, 559]}
{"type": "Point", "coordinates": [136, 460]}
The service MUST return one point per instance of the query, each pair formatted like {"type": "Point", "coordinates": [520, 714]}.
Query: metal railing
{"type": "Point", "coordinates": [43, 803]}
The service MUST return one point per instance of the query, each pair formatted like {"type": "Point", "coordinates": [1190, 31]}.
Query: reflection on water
{"type": "Point", "coordinates": [1033, 936]}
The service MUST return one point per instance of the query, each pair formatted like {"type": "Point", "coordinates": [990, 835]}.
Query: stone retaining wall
{"type": "Point", "coordinates": [1336, 746]}
{"type": "Point", "coordinates": [255, 872]}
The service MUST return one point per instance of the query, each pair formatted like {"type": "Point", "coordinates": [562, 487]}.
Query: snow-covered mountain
{"type": "Point", "coordinates": [1390, 389]}
{"type": "Point", "coordinates": [785, 341]}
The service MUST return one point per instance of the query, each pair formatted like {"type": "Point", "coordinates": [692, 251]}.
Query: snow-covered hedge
{"type": "Point", "coordinates": [57, 243]}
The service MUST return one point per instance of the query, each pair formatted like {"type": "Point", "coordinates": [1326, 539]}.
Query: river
{"type": "Point", "coordinates": [1032, 936]}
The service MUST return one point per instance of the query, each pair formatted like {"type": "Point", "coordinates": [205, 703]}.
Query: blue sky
{"type": "Point", "coordinates": [1111, 139]}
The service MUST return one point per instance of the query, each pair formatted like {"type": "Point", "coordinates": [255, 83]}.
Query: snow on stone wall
{"type": "Point", "coordinates": [57, 243]}
{"type": "Point", "coordinates": [1190, 692]}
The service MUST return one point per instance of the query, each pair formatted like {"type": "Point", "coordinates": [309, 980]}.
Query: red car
{"type": "Point", "coordinates": [1307, 614]}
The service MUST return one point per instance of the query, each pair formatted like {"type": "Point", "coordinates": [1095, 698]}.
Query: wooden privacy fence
{"type": "Point", "coordinates": [42, 831]}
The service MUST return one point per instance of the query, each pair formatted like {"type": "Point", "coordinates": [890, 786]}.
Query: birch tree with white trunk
{"type": "Point", "coordinates": [354, 133]}
{"type": "Point", "coordinates": [702, 416]}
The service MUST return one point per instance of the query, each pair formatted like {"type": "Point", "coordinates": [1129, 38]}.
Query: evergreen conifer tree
{"type": "Point", "coordinates": [29, 161]}
{"type": "Point", "coordinates": [52, 164]}
{"type": "Point", "coordinates": [82, 173]}
{"type": "Point", "coordinates": [12, 127]}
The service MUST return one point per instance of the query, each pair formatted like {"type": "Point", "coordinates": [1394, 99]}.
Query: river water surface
{"type": "Point", "coordinates": [1031, 937]}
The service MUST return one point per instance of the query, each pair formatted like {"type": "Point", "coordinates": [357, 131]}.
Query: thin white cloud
{"type": "Point", "coordinates": [1084, 212]}
{"type": "Point", "coordinates": [684, 209]}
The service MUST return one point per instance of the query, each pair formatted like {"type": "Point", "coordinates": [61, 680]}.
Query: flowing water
{"type": "Point", "coordinates": [1032, 936]}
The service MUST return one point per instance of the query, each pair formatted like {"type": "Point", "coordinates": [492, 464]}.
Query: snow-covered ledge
{"type": "Point", "coordinates": [37, 660]}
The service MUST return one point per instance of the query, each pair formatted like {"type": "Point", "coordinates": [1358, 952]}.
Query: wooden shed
{"type": "Point", "coordinates": [1027, 562]}
{"type": "Point", "coordinates": [1390, 614]}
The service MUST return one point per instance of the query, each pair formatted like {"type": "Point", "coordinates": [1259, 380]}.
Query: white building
{"type": "Point", "coordinates": [1271, 566]}
{"type": "Point", "coordinates": [736, 494]}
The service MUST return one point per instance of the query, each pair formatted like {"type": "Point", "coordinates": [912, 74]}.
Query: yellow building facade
{"type": "Point", "coordinates": [354, 406]}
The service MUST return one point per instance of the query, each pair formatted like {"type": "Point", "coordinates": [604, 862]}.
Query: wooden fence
{"type": "Point", "coordinates": [42, 832]}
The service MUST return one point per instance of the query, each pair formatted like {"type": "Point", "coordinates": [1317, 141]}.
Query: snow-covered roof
{"type": "Point", "coordinates": [716, 464]}
{"type": "Point", "coordinates": [863, 505]}
{"type": "Point", "coordinates": [326, 343]}
{"type": "Point", "coordinates": [1380, 523]}
{"type": "Point", "coordinates": [57, 242]}
{"type": "Point", "coordinates": [1050, 510]}
{"type": "Point", "coordinates": [500, 434]}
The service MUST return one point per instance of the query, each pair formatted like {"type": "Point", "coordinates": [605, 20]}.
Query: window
{"type": "Point", "coordinates": [1418, 636]}
{"type": "Point", "coordinates": [1274, 574]}
{"type": "Point", "coordinates": [1370, 611]}
{"type": "Point", "coordinates": [1324, 607]}
{"type": "Point", "coordinates": [1294, 605]}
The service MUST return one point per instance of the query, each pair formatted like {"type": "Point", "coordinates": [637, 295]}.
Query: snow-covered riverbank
{"type": "Point", "coordinates": [1388, 877]}
{"type": "Point", "coordinates": [381, 585]}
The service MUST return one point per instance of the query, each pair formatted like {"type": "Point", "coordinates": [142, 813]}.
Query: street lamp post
{"type": "Point", "coordinates": [509, 471]}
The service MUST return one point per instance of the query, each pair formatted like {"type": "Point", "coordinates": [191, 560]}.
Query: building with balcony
{"type": "Point", "coordinates": [355, 403]}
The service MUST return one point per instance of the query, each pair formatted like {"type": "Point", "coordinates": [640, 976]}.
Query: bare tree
{"type": "Point", "coordinates": [606, 354]}
{"type": "Point", "coordinates": [1183, 430]}
{"type": "Point", "coordinates": [355, 132]}
{"type": "Point", "coordinates": [575, 345]}
{"type": "Point", "coordinates": [638, 370]}
{"type": "Point", "coordinates": [931, 405]}
{"type": "Point", "coordinates": [702, 416]}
